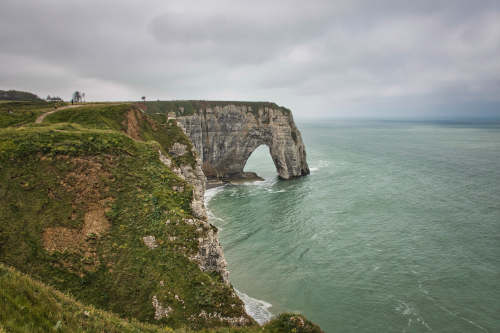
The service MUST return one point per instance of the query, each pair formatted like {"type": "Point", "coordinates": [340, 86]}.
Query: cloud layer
{"type": "Point", "coordinates": [321, 58]}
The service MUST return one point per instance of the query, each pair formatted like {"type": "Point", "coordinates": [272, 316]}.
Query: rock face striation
{"type": "Point", "coordinates": [226, 134]}
{"type": "Point", "coordinates": [210, 256]}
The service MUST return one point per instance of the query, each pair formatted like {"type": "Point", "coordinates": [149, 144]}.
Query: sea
{"type": "Point", "coordinates": [396, 229]}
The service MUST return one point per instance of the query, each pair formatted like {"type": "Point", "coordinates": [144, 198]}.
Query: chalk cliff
{"type": "Point", "coordinates": [226, 133]}
{"type": "Point", "coordinates": [184, 162]}
{"type": "Point", "coordinates": [210, 256]}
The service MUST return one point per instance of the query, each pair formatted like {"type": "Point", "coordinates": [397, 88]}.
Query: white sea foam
{"type": "Point", "coordinates": [255, 182]}
{"type": "Point", "coordinates": [267, 182]}
{"type": "Point", "coordinates": [256, 308]}
{"type": "Point", "coordinates": [456, 314]}
{"type": "Point", "coordinates": [212, 217]}
{"type": "Point", "coordinates": [270, 190]}
{"type": "Point", "coordinates": [211, 192]}
{"type": "Point", "coordinates": [409, 310]}
{"type": "Point", "coordinates": [319, 165]}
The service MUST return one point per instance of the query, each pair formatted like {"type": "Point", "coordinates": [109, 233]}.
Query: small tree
{"type": "Point", "coordinates": [143, 99]}
{"type": "Point", "coordinates": [83, 97]}
{"type": "Point", "coordinates": [77, 96]}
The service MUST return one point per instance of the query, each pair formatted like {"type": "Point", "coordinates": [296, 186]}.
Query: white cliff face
{"type": "Point", "coordinates": [195, 177]}
{"type": "Point", "coordinates": [210, 256]}
{"type": "Point", "coordinates": [226, 135]}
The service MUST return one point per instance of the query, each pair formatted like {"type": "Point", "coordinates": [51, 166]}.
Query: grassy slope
{"type": "Point", "coordinates": [114, 117]}
{"type": "Point", "coordinates": [118, 272]}
{"type": "Point", "coordinates": [19, 113]}
{"type": "Point", "coordinates": [98, 116]}
{"type": "Point", "coordinates": [41, 190]}
{"type": "Point", "coordinates": [27, 305]}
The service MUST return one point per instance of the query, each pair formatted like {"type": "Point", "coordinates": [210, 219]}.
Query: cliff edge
{"type": "Point", "coordinates": [226, 133]}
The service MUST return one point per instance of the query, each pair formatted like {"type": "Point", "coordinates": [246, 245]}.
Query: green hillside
{"type": "Point", "coordinates": [22, 113]}
{"type": "Point", "coordinates": [27, 305]}
{"type": "Point", "coordinates": [88, 208]}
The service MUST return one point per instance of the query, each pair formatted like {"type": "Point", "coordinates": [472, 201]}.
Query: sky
{"type": "Point", "coordinates": [322, 59]}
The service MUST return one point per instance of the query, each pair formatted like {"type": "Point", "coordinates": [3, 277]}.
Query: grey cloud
{"type": "Point", "coordinates": [321, 58]}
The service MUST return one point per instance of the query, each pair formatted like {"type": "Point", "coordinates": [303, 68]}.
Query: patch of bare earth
{"type": "Point", "coordinates": [86, 183]}
{"type": "Point", "coordinates": [61, 239]}
{"type": "Point", "coordinates": [95, 221]}
{"type": "Point", "coordinates": [132, 123]}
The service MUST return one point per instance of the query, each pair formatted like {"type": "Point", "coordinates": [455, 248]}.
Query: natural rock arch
{"type": "Point", "coordinates": [264, 150]}
{"type": "Point", "coordinates": [226, 135]}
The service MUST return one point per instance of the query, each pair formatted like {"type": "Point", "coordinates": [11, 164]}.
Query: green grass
{"type": "Point", "coordinates": [114, 117]}
{"type": "Point", "coordinates": [19, 113]}
{"type": "Point", "coordinates": [27, 305]}
{"type": "Point", "coordinates": [186, 108]}
{"type": "Point", "coordinates": [100, 116]}
{"type": "Point", "coordinates": [34, 162]}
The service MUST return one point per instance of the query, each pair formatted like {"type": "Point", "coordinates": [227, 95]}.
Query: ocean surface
{"type": "Point", "coordinates": [397, 229]}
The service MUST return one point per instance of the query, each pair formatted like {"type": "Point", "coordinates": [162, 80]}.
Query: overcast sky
{"type": "Point", "coordinates": [320, 58]}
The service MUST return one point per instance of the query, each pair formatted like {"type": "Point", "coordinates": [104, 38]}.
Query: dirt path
{"type": "Point", "coordinates": [43, 115]}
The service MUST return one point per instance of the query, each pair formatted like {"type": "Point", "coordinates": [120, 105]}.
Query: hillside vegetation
{"type": "Point", "coordinates": [27, 305]}
{"type": "Point", "coordinates": [16, 95]}
{"type": "Point", "coordinates": [21, 113]}
{"type": "Point", "coordinates": [127, 118]}
{"type": "Point", "coordinates": [88, 208]}
{"type": "Point", "coordinates": [158, 109]}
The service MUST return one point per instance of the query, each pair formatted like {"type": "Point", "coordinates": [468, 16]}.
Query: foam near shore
{"type": "Point", "coordinates": [210, 193]}
{"type": "Point", "coordinates": [256, 308]}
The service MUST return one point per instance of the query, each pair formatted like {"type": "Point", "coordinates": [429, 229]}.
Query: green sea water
{"type": "Point", "coordinates": [397, 229]}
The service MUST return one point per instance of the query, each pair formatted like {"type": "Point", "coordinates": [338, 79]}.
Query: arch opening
{"type": "Point", "coordinates": [260, 163]}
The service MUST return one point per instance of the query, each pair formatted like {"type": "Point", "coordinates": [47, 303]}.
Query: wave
{"type": "Point", "coordinates": [256, 308]}
{"type": "Point", "coordinates": [267, 182]}
{"type": "Point", "coordinates": [411, 312]}
{"type": "Point", "coordinates": [209, 194]}
{"type": "Point", "coordinates": [320, 165]}
{"type": "Point", "coordinates": [212, 192]}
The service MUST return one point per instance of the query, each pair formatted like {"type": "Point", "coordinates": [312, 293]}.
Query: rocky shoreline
{"type": "Point", "coordinates": [246, 177]}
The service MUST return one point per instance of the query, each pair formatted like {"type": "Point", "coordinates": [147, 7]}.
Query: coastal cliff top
{"type": "Point", "coordinates": [189, 107]}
